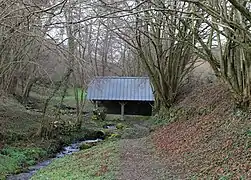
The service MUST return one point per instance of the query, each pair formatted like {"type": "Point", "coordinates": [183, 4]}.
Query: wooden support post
{"type": "Point", "coordinates": [122, 110]}
{"type": "Point", "coordinates": [152, 106]}
{"type": "Point", "coordinates": [96, 104]}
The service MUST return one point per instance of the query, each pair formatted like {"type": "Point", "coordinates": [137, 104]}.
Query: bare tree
{"type": "Point", "coordinates": [22, 38]}
{"type": "Point", "coordinates": [228, 23]}
{"type": "Point", "coordinates": [162, 41]}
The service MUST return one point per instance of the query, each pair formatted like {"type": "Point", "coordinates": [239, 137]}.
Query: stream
{"type": "Point", "coordinates": [74, 147]}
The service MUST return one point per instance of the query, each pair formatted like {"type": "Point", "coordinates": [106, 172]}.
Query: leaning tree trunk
{"type": "Point", "coordinates": [27, 89]}
{"type": "Point", "coordinates": [45, 128]}
{"type": "Point", "coordinates": [230, 24]}
{"type": "Point", "coordinates": [164, 47]}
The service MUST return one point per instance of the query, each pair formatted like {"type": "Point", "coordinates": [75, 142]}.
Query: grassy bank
{"type": "Point", "coordinates": [99, 162]}
{"type": "Point", "coordinates": [17, 156]}
{"type": "Point", "coordinates": [14, 159]}
{"type": "Point", "coordinates": [69, 97]}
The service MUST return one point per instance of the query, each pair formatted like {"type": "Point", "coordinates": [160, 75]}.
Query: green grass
{"type": "Point", "coordinates": [71, 93]}
{"type": "Point", "coordinates": [69, 98]}
{"type": "Point", "coordinates": [7, 165]}
{"type": "Point", "coordinates": [99, 162]}
{"type": "Point", "coordinates": [13, 159]}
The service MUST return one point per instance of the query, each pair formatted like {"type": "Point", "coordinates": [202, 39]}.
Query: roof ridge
{"type": "Point", "coordinates": [121, 77]}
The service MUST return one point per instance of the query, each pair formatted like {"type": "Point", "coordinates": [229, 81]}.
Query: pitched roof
{"type": "Point", "coordinates": [120, 88]}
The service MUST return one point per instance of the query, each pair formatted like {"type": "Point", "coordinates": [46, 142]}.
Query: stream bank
{"type": "Point", "coordinates": [67, 150]}
{"type": "Point", "coordinates": [26, 157]}
{"type": "Point", "coordinates": [104, 160]}
{"type": "Point", "coordinates": [114, 129]}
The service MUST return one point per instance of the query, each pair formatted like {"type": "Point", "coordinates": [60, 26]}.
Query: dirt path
{"type": "Point", "coordinates": [138, 162]}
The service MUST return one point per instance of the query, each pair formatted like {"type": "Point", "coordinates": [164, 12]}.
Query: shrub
{"type": "Point", "coordinates": [165, 116]}
{"type": "Point", "coordinates": [99, 114]}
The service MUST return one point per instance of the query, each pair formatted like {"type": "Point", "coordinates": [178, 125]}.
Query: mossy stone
{"type": "Point", "coordinates": [114, 135]}
{"type": "Point", "coordinates": [120, 126]}
{"type": "Point", "coordinates": [85, 146]}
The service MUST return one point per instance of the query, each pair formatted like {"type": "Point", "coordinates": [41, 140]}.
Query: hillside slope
{"type": "Point", "coordinates": [209, 139]}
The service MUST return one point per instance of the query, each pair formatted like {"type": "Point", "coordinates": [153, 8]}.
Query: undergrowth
{"type": "Point", "coordinates": [166, 116]}
{"type": "Point", "coordinates": [14, 159]}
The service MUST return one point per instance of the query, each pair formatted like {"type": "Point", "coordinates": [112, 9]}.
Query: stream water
{"type": "Point", "coordinates": [33, 169]}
